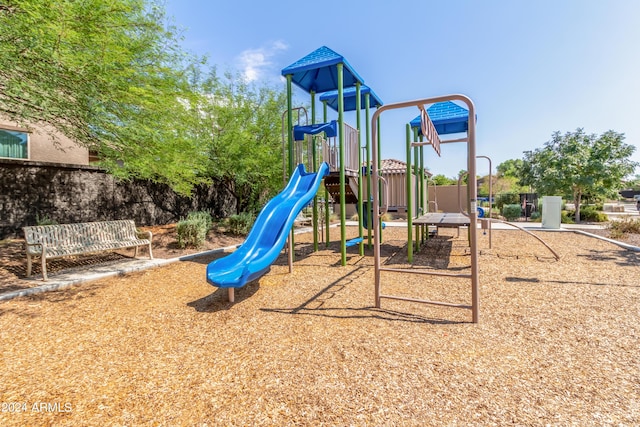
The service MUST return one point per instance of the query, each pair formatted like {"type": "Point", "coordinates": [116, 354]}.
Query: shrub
{"type": "Point", "coordinates": [592, 214]}
{"type": "Point", "coordinates": [203, 216]}
{"type": "Point", "coordinates": [566, 217]}
{"type": "Point", "coordinates": [192, 231]}
{"type": "Point", "coordinates": [511, 212]}
{"type": "Point", "coordinates": [536, 216]}
{"type": "Point", "coordinates": [624, 226]}
{"type": "Point", "coordinates": [504, 199]}
{"type": "Point", "coordinates": [241, 224]}
{"type": "Point", "coordinates": [588, 213]}
{"type": "Point", "coordinates": [44, 220]}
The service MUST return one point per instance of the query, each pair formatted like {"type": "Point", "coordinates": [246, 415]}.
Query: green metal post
{"type": "Point", "coordinates": [416, 171]}
{"type": "Point", "coordinates": [409, 198]}
{"type": "Point", "coordinates": [358, 125]}
{"type": "Point", "coordinates": [416, 189]}
{"type": "Point", "coordinates": [314, 156]}
{"type": "Point", "coordinates": [290, 121]}
{"type": "Point", "coordinates": [367, 106]}
{"type": "Point", "coordinates": [424, 210]}
{"type": "Point", "coordinates": [379, 168]}
{"type": "Point", "coordinates": [291, 142]}
{"type": "Point", "coordinates": [327, 215]}
{"type": "Point", "coordinates": [343, 204]}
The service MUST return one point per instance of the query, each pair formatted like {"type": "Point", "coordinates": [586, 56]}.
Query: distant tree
{"type": "Point", "coordinates": [108, 74]}
{"type": "Point", "coordinates": [505, 184]}
{"type": "Point", "coordinates": [506, 179]}
{"type": "Point", "coordinates": [441, 179]}
{"type": "Point", "coordinates": [509, 168]}
{"type": "Point", "coordinates": [578, 164]}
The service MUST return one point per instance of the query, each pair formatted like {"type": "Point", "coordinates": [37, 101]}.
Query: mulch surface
{"type": "Point", "coordinates": [13, 264]}
{"type": "Point", "coordinates": [557, 342]}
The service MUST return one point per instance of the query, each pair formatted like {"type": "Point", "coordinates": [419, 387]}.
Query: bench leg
{"type": "Point", "coordinates": [28, 265]}
{"type": "Point", "coordinates": [150, 252]}
{"type": "Point", "coordinates": [135, 252]}
{"type": "Point", "coordinates": [44, 269]}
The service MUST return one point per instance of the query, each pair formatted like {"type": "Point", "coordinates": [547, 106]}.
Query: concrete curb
{"type": "Point", "coordinates": [606, 239]}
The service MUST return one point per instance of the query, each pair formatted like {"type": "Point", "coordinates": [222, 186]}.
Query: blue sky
{"type": "Point", "coordinates": [531, 67]}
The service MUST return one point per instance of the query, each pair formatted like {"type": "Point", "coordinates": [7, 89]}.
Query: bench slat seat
{"type": "Point", "coordinates": [61, 251]}
{"type": "Point", "coordinates": [60, 240]}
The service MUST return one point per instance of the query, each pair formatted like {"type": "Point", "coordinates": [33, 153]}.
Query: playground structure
{"type": "Point", "coordinates": [346, 164]}
{"type": "Point", "coordinates": [333, 150]}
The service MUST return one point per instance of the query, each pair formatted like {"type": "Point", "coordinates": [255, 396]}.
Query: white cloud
{"type": "Point", "coordinates": [254, 62]}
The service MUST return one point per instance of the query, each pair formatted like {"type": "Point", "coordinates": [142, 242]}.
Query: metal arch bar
{"type": "Point", "coordinates": [472, 190]}
{"type": "Point", "coordinates": [490, 194]}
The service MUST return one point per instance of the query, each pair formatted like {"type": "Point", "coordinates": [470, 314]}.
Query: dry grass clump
{"type": "Point", "coordinates": [557, 342]}
{"type": "Point", "coordinates": [626, 225]}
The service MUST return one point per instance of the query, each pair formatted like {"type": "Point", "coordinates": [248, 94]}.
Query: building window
{"type": "Point", "coordinates": [14, 144]}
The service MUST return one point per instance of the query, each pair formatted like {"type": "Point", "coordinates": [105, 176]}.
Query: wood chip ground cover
{"type": "Point", "coordinates": [557, 342]}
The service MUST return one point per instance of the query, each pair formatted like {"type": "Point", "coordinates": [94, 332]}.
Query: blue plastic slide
{"type": "Point", "coordinates": [269, 233]}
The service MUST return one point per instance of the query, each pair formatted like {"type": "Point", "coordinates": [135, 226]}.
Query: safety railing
{"type": "Point", "coordinates": [331, 151]}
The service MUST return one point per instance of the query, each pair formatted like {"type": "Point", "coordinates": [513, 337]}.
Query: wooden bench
{"type": "Point", "coordinates": [60, 240]}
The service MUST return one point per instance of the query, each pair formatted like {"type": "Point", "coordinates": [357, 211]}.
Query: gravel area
{"type": "Point", "coordinates": [557, 343]}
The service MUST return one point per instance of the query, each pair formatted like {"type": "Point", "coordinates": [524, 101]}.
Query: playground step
{"type": "Point", "coordinates": [332, 184]}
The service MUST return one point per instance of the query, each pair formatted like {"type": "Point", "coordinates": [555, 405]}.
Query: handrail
{"type": "Point", "coordinates": [462, 211]}
{"type": "Point", "coordinates": [385, 186]}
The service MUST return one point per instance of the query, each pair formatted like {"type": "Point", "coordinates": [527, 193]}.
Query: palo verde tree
{"type": "Point", "coordinates": [108, 74]}
{"type": "Point", "coordinates": [577, 164]}
{"type": "Point", "coordinates": [241, 133]}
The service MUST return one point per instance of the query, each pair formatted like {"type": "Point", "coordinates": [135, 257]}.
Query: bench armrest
{"type": "Point", "coordinates": [145, 234]}
{"type": "Point", "coordinates": [42, 245]}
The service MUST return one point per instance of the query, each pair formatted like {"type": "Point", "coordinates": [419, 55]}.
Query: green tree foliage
{"type": "Point", "coordinates": [108, 74]}
{"type": "Point", "coordinates": [576, 164]}
{"type": "Point", "coordinates": [509, 168]}
{"type": "Point", "coordinates": [440, 179]}
{"type": "Point", "coordinates": [506, 179]}
{"type": "Point", "coordinates": [241, 133]}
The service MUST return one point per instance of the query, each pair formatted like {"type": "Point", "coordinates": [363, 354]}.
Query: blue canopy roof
{"type": "Point", "coordinates": [318, 72]}
{"type": "Point", "coordinates": [349, 96]}
{"type": "Point", "coordinates": [330, 129]}
{"type": "Point", "coordinates": [447, 117]}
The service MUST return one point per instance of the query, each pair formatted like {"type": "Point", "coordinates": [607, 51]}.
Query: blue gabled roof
{"type": "Point", "coordinates": [317, 71]}
{"type": "Point", "coordinates": [447, 117]}
{"type": "Point", "coordinates": [349, 96]}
